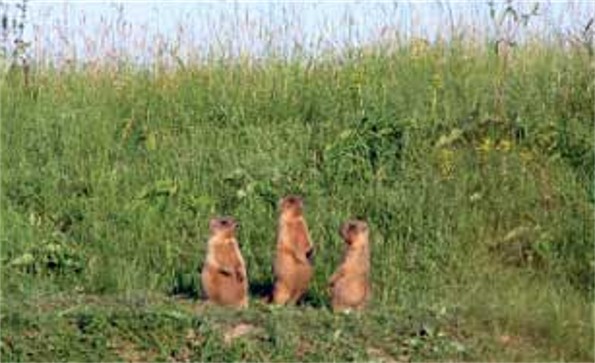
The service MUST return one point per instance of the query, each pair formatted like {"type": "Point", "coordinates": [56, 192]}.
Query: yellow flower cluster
{"type": "Point", "coordinates": [447, 162]}
{"type": "Point", "coordinates": [488, 144]}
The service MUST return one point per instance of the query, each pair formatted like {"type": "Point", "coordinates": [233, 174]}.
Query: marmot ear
{"type": "Point", "coordinates": [229, 223]}
{"type": "Point", "coordinates": [291, 200]}
{"type": "Point", "coordinates": [296, 199]}
{"type": "Point", "coordinates": [284, 203]}
{"type": "Point", "coordinates": [363, 225]}
{"type": "Point", "coordinates": [222, 222]}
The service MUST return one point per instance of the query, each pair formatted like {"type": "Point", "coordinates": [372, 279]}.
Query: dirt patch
{"type": "Point", "coordinates": [377, 354]}
{"type": "Point", "coordinates": [129, 352]}
{"type": "Point", "coordinates": [238, 331]}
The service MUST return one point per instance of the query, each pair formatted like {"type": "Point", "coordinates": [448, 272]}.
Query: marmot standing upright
{"type": "Point", "coordinates": [350, 284]}
{"type": "Point", "coordinates": [224, 278]}
{"type": "Point", "coordinates": [293, 261]}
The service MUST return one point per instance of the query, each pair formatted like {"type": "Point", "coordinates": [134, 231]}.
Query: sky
{"type": "Point", "coordinates": [144, 30]}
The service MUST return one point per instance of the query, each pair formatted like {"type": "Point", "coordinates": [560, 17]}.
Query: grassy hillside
{"type": "Point", "coordinates": [474, 170]}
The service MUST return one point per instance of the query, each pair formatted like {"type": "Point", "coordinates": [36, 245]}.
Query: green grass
{"type": "Point", "coordinates": [475, 174]}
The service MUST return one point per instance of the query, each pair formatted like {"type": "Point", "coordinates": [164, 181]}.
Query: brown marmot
{"type": "Point", "coordinates": [293, 260]}
{"type": "Point", "coordinates": [224, 278]}
{"type": "Point", "coordinates": [350, 284]}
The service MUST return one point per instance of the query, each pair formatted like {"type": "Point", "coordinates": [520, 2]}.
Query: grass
{"type": "Point", "coordinates": [475, 172]}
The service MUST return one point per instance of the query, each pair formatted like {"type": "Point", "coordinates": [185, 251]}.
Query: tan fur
{"type": "Point", "coordinates": [224, 279]}
{"type": "Point", "coordinates": [350, 284]}
{"type": "Point", "coordinates": [293, 266]}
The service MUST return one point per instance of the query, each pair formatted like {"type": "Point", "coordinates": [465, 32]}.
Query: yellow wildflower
{"type": "Point", "coordinates": [504, 145]}
{"type": "Point", "coordinates": [486, 145]}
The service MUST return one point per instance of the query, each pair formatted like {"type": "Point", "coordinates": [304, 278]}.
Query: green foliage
{"type": "Point", "coordinates": [477, 183]}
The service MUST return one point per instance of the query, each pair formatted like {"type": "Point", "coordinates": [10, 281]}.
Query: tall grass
{"type": "Point", "coordinates": [474, 168]}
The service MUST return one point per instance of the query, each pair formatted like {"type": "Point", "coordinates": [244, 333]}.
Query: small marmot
{"type": "Point", "coordinates": [350, 284]}
{"type": "Point", "coordinates": [293, 260]}
{"type": "Point", "coordinates": [224, 278]}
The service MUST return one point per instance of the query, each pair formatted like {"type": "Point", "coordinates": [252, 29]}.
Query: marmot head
{"type": "Point", "coordinates": [354, 232]}
{"type": "Point", "coordinates": [224, 226]}
{"type": "Point", "coordinates": [292, 206]}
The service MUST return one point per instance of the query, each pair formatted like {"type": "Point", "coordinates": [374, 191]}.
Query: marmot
{"type": "Point", "coordinates": [224, 279]}
{"type": "Point", "coordinates": [293, 260]}
{"type": "Point", "coordinates": [350, 284]}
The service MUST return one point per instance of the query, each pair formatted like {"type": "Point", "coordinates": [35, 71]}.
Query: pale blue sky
{"type": "Point", "coordinates": [139, 29]}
